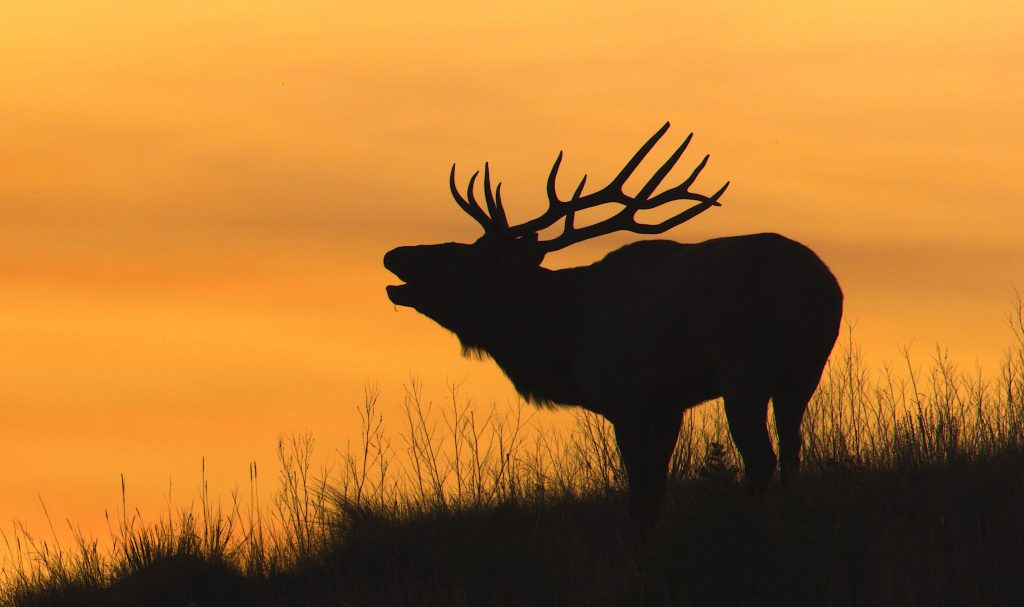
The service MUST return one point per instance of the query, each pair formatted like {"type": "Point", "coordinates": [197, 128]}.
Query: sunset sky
{"type": "Point", "coordinates": [196, 197]}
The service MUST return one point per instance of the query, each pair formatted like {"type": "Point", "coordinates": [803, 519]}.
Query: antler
{"type": "Point", "coordinates": [495, 221]}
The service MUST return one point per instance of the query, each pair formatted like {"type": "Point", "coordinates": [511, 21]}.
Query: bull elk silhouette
{"type": "Point", "coordinates": [652, 329]}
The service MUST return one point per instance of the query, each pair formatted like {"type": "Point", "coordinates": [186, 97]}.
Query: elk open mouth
{"type": "Point", "coordinates": [397, 262]}
{"type": "Point", "coordinates": [400, 294]}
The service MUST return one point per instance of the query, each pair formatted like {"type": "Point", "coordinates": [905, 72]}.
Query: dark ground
{"type": "Point", "coordinates": [947, 535]}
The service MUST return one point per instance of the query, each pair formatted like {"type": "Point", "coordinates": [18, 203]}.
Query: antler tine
{"type": "Point", "coordinates": [662, 172]}
{"type": "Point", "coordinates": [679, 192]}
{"type": "Point", "coordinates": [500, 207]}
{"type": "Point", "coordinates": [579, 188]}
{"type": "Point", "coordinates": [570, 216]}
{"type": "Point", "coordinates": [553, 200]}
{"type": "Point", "coordinates": [693, 176]}
{"type": "Point", "coordinates": [494, 206]}
{"type": "Point", "coordinates": [688, 214]}
{"type": "Point", "coordinates": [470, 194]}
{"type": "Point", "coordinates": [718, 194]}
{"type": "Point", "coordinates": [470, 207]}
{"type": "Point", "coordinates": [637, 158]}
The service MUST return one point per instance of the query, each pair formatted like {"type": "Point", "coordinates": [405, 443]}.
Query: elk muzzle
{"type": "Point", "coordinates": [400, 262]}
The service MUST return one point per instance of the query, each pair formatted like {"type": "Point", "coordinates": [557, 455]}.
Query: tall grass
{"type": "Point", "coordinates": [455, 459]}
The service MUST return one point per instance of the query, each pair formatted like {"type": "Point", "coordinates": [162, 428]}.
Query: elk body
{"type": "Point", "coordinates": [652, 329]}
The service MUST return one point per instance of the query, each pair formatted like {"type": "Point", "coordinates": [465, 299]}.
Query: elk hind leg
{"type": "Point", "coordinates": [789, 405]}
{"type": "Point", "coordinates": [747, 413]}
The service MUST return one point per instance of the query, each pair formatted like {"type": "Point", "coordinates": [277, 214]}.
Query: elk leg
{"type": "Point", "coordinates": [747, 415]}
{"type": "Point", "coordinates": [789, 409]}
{"type": "Point", "coordinates": [646, 446]}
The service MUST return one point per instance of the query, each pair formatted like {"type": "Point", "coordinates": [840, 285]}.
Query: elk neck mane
{"type": "Point", "coordinates": [521, 315]}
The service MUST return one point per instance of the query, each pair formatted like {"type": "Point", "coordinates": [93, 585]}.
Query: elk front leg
{"type": "Point", "coordinates": [646, 445]}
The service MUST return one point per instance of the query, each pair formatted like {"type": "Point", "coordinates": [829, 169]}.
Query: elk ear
{"type": "Point", "coordinates": [523, 253]}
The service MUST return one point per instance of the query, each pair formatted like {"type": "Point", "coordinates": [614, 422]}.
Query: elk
{"type": "Point", "coordinates": [652, 329]}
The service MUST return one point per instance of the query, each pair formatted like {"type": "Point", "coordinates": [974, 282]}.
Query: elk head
{"type": "Point", "coordinates": [436, 276]}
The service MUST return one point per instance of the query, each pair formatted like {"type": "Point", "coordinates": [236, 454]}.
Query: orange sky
{"type": "Point", "coordinates": [196, 196]}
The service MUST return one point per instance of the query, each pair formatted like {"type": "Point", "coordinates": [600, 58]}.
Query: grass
{"type": "Point", "coordinates": [912, 492]}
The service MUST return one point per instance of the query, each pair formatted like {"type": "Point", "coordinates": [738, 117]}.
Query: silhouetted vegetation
{"type": "Point", "coordinates": [912, 489]}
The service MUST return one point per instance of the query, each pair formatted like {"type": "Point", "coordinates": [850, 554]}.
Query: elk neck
{"type": "Point", "coordinates": [531, 326]}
